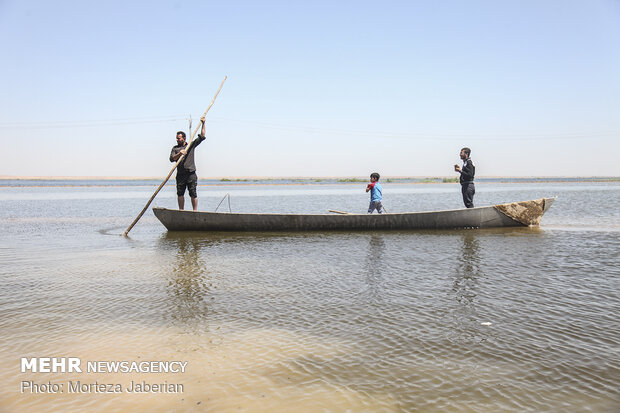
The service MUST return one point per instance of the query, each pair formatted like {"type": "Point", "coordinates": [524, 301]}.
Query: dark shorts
{"type": "Point", "coordinates": [188, 181]}
{"type": "Point", "coordinates": [375, 205]}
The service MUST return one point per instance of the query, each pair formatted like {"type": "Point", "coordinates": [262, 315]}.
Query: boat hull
{"type": "Point", "coordinates": [517, 214]}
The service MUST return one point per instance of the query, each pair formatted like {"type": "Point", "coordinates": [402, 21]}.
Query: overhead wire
{"type": "Point", "coordinates": [312, 129]}
{"type": "Point", "coordinates": [90, 123]}
{"type": "Point", "coordinates": [424, 135]}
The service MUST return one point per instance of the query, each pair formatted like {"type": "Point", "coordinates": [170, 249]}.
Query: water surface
{"type": "Point", "coordinates": [520, 319]}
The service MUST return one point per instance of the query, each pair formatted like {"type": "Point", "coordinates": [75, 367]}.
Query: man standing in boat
{"type": "Point", "coordinates": [467, 178]}
{"type": "Point", "coordinates": [186, 170]}
{"type": "Point", "coordinates": [376, 195]}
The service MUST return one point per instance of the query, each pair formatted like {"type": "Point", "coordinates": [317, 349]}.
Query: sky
{"type": "Point", "coordinates": [314, 88]}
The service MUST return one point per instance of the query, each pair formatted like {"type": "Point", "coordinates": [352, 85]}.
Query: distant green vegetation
{"type": "Point", "coordinates": [235, 180]}
{"type": "Point", "coordinates": [430, 180]}
{"type": "Point", "coordinates": [305, 180]}
{"type": "Point", "coordinates": [450, 180]}
{"type": "Point", "coordinates": [351, 180]}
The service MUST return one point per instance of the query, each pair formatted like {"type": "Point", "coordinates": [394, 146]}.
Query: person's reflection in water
{"type": "Point", "coordinates": [188, 286]}
{"type": "Point", "coordinates": [465, 287]}
{"type": "Point", "coordinates": [468, 270]}
{"type": "Point", "coordinates": [374, 267]}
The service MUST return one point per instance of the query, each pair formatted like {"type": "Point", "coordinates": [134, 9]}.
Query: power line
{"type": "Point", "coordinates": [66, 124]}
{"type": "Point", "coordinates": [425, 135]}
{"type": "Point", "coordinates": [89, 123]}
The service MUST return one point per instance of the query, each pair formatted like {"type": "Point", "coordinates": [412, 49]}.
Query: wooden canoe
{"type": "Point", "coordinates": [516, 214]}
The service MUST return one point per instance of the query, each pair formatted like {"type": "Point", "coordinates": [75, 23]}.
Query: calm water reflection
{"type": "Point", "coordinates": [189, 284]}
{"type": "Point", "coordinates": [375, 269]}
{"type": "Point", "coordinates": [468, 273]}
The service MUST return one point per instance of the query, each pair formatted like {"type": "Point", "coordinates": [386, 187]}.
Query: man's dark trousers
{"type": "Point", "coordinates": [468, 190]}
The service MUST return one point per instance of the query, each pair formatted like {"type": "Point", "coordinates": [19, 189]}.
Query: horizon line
{"type": "Point", "coordinates": [274, 177]}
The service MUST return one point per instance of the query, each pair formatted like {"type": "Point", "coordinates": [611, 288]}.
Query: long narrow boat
{"type": "Point", "coordinates": [516, 214]}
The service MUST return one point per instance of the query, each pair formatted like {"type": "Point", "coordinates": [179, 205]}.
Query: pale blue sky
{"type": "Point", "coordinates": [315, 88]}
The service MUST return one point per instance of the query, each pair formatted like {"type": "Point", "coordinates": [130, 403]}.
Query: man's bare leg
{"type": "Point", "coordinates": [181, 201]}
{"type": "Point", "coordinates": [195, 203]}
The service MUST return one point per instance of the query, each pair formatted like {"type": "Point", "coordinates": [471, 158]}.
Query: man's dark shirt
{"type": "Point", "coordinates": [467, 171]}
{"type": "Point", "coordinates": [187, 165]}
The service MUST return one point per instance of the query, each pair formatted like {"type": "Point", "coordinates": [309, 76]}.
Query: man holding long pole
{"type": "Point", "coordinates": [186, 169]}
{"type": "Point", "coordinates": [179, 160]}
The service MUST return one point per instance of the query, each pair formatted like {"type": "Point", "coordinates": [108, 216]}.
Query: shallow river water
{"type": "Point", "coordinates": [506, 320]}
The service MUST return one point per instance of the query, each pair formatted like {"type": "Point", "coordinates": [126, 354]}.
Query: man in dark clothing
{"type": "Point", "coordinates": [186, 170]}
{"type": "Point", "coordinates": [467, 178]}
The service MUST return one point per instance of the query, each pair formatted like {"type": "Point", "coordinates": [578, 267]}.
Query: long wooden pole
{"type": "Point", "coordinates": [135, 221]}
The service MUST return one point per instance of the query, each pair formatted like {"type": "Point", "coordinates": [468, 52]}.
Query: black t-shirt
{"type": "Point", "coordinates": [187, 165]}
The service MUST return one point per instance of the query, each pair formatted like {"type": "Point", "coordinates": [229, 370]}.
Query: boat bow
{"type": "Point", "coordinates": [527, 212]}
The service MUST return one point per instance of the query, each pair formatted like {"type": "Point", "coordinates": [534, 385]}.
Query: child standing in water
{"type": "Point", "coordinates": [375, 194]}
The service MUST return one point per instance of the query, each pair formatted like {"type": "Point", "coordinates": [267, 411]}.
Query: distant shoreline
{"type": "Point", "coordinates": [287, 178]}
{"type": "Point", "coordinates": [108, 181]}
